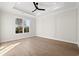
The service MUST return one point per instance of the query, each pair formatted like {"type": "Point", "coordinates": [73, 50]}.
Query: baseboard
{"type": "Point", "coordinates": [57, 39]}
{"type": "Point", "coordinates": [43, 37]}
{"type": "Point", "coordinates": [9, 40]}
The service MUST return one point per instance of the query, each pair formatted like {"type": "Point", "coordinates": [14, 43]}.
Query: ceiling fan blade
{"type": "Point", "coordinates": [34, 10]}
{"type": "Point", "coordinates": [41, 9]}
{"type": "Point", "coordinates": [35, 5]}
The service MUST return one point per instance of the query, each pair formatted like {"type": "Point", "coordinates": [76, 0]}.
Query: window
{"type": "Point", "coordinates": [19, 27]}
{"type": "Point", "coordinates": [26, 26]}
{"type": "Point", "coordinates": [22, 25]}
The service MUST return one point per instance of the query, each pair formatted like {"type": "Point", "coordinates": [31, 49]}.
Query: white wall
{"type": "Point", "coordinates": [59, 26]}
{"type": "Point", "coordinates": [78, 26]}
{"type": "Point", "coordinates": [8, 27]}
{"type": "Point", "coordinates": [0, 29]}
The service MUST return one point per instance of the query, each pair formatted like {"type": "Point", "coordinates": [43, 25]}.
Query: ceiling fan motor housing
{"type": "Point", "coordinates": [36, 3]}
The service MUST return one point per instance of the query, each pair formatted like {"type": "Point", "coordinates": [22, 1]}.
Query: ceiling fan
{"type": "Point", "coordinates": [36, 7]}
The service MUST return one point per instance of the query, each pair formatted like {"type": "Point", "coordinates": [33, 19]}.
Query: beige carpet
{"type": "Point", "coordinates": [37, 46]}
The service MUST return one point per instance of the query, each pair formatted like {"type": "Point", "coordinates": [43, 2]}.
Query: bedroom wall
{"type": "Point", "coordinates": [59, 26]}
{"type": "Point", "coordinates": [78, 26]}
{"type": "Point", "coordinates": [8, 27]}
{"type": "Point", "coordinates": [0, 29]}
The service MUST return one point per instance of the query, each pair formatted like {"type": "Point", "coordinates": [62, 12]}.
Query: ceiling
{"type": "Point", "coordinates": [28, 7]}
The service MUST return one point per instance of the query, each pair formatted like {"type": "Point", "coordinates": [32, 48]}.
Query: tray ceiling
{"type": "Point", "coordinates": [28, 7]}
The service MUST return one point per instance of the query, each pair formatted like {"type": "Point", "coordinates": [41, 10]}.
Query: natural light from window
{"type": "Point", "coordinates": [5, 49]}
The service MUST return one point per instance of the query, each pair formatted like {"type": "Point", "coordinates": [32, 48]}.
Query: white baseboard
{"type": "Point", "coordinates": [43, 37]}
{"type": "Point", "coordinates": [57, 39]}
{"type": "Point", "coordinates": [13, 39]}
